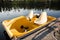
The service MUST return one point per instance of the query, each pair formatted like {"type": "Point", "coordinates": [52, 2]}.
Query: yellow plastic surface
{"type": "Point", "coordinates": [15, 24]}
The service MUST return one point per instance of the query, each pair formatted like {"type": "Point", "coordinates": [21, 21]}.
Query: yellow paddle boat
{"type": "Point", "coordinates": [20, 26]}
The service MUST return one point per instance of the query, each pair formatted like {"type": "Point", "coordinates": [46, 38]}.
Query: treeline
{"type": "Point", "coordinates": [32, 0]}
{"type": "Point", "coordinates": [28, 4]}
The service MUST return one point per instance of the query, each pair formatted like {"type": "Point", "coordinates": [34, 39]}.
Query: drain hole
{"type": "Point", "coordinates": [22, 27]}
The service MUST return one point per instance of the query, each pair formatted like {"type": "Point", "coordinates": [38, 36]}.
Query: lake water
{"type": "Point", "coordinates": [9, 10]}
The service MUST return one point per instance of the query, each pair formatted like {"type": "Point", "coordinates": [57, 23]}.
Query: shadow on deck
{"type": "Point", "coordinates": [43, 34]}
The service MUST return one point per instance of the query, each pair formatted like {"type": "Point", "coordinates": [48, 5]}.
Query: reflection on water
{"type": "Point", "coordinates": [9, 10]}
